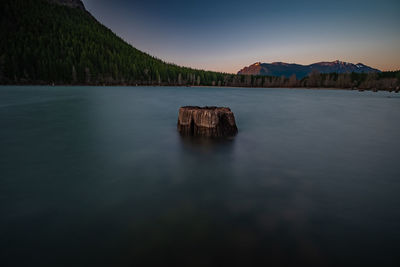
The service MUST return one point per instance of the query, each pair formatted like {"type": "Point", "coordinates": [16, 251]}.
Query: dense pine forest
{"type": "Point", "coordinates": [45, 43]}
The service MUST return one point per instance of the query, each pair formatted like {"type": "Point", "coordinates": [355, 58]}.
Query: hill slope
{"type": "Point", "coordinates": [44, 42]}
{"type": "Point", "coordinates": [71, 3]}
{"type": "Point", "coordinates": [301, 71]}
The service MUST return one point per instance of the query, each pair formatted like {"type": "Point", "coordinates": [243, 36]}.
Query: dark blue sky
{"type": "Point", "coordinates": [227, 35]}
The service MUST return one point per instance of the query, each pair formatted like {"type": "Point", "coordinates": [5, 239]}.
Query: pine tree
{"type": "Point", "coordinates": [74, 76]}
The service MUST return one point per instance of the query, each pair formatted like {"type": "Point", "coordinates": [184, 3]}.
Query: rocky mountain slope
{"type": "Point", "coordinates": [301, 71]}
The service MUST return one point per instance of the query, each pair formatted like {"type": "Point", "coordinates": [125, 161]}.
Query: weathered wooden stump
{"type": "Point", "coordinates": [207, 122]}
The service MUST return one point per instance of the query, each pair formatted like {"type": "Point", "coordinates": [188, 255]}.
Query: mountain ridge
{"type": "Point", "coordinates": [301, 71]}
{"type": "Point", "coordinates": [70, 3]}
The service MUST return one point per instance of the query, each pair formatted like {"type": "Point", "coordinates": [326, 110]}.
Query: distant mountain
{"type": "Point", "coordinates": [301, 71]}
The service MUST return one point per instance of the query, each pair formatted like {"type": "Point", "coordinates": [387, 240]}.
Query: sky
{"type": "Point", "coordinates": [228, 35]}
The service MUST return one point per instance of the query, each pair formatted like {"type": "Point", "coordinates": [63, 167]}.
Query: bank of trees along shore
{"type": "Point", "coordinates": [44, 43]}
{"type": "Point", "coordinates": [389, 81]}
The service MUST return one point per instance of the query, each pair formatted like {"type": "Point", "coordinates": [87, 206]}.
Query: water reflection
{"type": "Point", "coordinates": [213, 219]}
{"type": "Point", "coordinates": [187, 223]}
{"type": "Point", "coordinates": [207, 145]}
{"type": "Point", "coordinates": [101, 177]}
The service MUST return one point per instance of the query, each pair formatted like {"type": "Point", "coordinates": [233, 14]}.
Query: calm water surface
{"type": "Point", "coordinates": [98, 176]}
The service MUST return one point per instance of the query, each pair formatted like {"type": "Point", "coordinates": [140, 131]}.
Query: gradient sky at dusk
{"type": "Point", "coordinates": [228, 35]}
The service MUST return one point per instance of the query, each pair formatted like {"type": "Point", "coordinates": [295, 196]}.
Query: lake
{"type": "Point", "coordinates": [99, 176]}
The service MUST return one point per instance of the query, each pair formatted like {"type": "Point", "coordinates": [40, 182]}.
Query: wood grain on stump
{"type": "Point", "coordinates": [206, 122]}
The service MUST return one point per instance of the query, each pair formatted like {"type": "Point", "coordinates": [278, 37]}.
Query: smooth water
{"type": "Point", "coordinates": [99, 176]}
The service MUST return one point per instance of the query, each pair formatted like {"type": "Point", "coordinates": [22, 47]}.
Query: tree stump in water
{"type": "Point", "coordinates": [206, 122]}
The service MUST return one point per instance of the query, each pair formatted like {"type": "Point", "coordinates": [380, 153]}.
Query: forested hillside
{"type": "Point", "coordinates": [42, 42]}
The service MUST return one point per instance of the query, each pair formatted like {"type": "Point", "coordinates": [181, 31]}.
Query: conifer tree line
{"type": "Point", "coordinates": [44, 43]}
{"type": "Point", "coordinates": [387, 81]}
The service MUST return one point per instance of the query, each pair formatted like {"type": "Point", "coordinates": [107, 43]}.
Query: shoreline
{"type": "Point", "coordinates": [205, 86]}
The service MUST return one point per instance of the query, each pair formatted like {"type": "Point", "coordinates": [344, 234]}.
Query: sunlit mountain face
{"type": "Point", "coordinates": [301, 71]}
